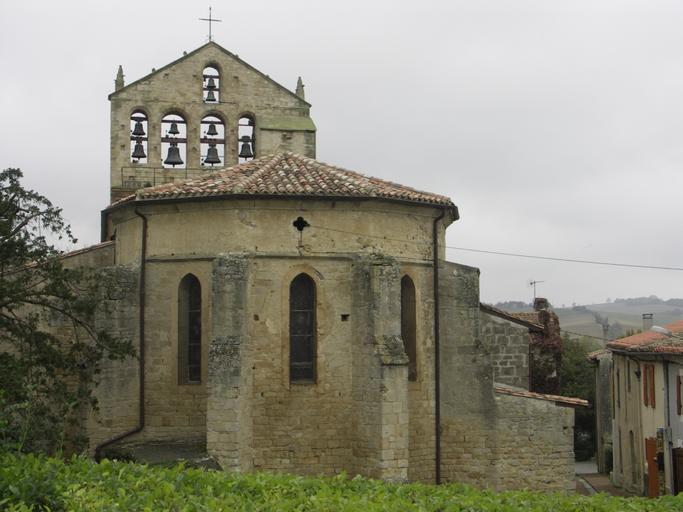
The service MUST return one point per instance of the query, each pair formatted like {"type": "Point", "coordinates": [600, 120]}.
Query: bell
{"type": "Point", "coordinates": [174, 129]}
{"type": "Point", "coordinates": [138, 151]}
{"type": "Point", "coordinates": [210, 96]}
{"type": "Point", "coordinates": [212, 130]}
{"type": "Point", "coordinates": [211, 84]}
{"type": "Point", "coordinates": [173, 157]}
{"type": "Point", "coordinates": [138, 131]}
{"type": "Point", "coordinates": [212, 156]}
{"type": "Point", "coordinates": [245, 150]}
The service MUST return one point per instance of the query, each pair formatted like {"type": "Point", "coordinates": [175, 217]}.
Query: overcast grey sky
{"type": "Point", "coordinates": [555, 126]}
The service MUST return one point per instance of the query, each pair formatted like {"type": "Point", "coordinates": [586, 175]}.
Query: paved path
{"type": "Point", "coordinates": [589, 481]}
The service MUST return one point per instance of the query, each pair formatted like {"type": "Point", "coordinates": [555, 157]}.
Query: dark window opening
{"type": "Point", "coordinates": [302, 329]}
{"type": "Point", "coordinates": [189, 330]}
{"type": "Point", "coordinates": [408, 325]}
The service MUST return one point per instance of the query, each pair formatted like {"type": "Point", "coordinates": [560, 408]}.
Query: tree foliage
{"type": "Point", "coordinates": [577, 376]}
{"type": "Point", "coordinates": [50, 352]}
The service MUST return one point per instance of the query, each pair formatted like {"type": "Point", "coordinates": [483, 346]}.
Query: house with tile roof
{"type": "Point", "coordinates": [526, 347]}
{"type": "Point", "coordinates": [647, 410]}
{"type": "Point", "coordinates": [291, 315]}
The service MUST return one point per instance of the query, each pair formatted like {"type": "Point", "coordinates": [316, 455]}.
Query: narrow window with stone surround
{"type": "Point", "coordinates": [189, 330]}
{"type": "Point", "coordinates": [408, 325]}
{"type": "Point", "coordinates": [302, 329]}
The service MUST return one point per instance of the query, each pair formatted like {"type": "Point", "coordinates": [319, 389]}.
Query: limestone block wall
{"type": "Point", "coordinates": [502, 442]}
{"type": "Point", "coordinates": [468, 409]}
{"type": "Point", "coordinates": [117, 389]}
{"type": "Point", "coordinates": [534, 446]}
{"type": "Point", "coordinates": [117, 314]}
{"type": "Point", "coordinates": [509, 349]}
{"type": "Point", "coordinates": [296, 426]}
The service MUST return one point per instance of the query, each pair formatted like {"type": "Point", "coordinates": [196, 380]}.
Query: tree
{"type": "Point", "coordinates": [577, 377]}
{"type": "Point", "coordinates": [50, 352]}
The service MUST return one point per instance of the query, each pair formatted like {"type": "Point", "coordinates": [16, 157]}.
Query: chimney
{"type": "Point", "coordinates": [540, 304]}
{"type": "Point", "coordinates": [647, 321]}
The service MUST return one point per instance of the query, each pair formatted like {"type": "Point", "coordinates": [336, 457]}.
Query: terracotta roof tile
{"type": "Point", "coordinates": [512, 317]}
{"type": "Point", "coordinates": [597, 354]}
{"type": "Point", "coordinates": [650, 341]}
{"type": "Point", "coordinates": [558, 399]}
{"type": "Point", "coordinates": [286, 174]}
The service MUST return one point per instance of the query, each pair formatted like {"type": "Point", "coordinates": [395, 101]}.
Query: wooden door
{"type": "Point", "coordinates": [652, 469]}
{"type": "Point", "coordinates": [678, 470]}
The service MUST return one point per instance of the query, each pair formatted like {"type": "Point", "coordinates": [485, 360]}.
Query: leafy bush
{"type": "Point", "coordinates": [28, 482]}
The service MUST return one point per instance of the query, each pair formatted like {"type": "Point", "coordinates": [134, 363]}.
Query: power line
{"type": "Point", "coordinates": [611, 264]}
{"type": "Point", "coordinates": [499, 253]}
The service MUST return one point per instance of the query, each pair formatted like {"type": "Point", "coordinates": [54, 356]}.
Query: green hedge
{"type": "Point", "coordinates": [28, 482]}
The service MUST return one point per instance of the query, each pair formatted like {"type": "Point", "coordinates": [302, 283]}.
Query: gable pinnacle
{"type": "Point", "coordinates": [118, 83]}
{"type": "Point", "coordinates": [300, 89]}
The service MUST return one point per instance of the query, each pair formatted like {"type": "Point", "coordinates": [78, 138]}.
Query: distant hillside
{"type": "Point", "coordinates": [621, 315]}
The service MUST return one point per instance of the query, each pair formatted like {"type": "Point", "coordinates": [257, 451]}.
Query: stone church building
{"type": "Point", "coordinates": [291, 315]}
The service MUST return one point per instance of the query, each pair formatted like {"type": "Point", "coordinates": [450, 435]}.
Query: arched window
{"type": "Point", "coordinates": [212, 141]}
{"type": "Point", "coordinates": [174, 140]}
{"type": "Point", "coordinates": [138, 137]}
{"type": "Point", "coordinates": [302, 329]}
{"type": "Point", "coordinates": [211, 85]}
{"type": "Point", "coordinates": [408, 325]}
{"type": "Point", "coordinates": [246, 145]}
{"type": "Point", "coordinates": [189, 330]}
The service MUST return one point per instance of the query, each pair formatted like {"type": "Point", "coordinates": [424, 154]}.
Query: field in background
{"type": "Point", "coordinates": [622, 315]}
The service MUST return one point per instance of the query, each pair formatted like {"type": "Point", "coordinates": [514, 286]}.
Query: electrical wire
{"type": "Point", "coordinates": [570, 260]}
{"type": "Point", "coordinates": [500, 253]}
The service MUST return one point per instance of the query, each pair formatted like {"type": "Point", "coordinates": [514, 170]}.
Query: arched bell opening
{"type": "Point", "coordinates": [246, 145]}
{"type": "Point", "coordinates": [211, 85]}
{"type": "Point", "coordinates": [212, 141]}
{"type": "Point", "coordinates": [173, 141]}
{"type": "Point", "coordinates": [138, 137]}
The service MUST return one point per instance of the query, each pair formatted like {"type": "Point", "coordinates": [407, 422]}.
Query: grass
{"type": "Point", "coordinates": [29, 482]}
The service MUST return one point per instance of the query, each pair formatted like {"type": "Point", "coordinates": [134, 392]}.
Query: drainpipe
{"type": "Point", "coordinates": [141, 370]}
{"type": "Point", "coordinates": [437, 379]}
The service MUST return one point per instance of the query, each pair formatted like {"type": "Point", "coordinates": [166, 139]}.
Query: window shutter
{"type": "Point", "coordinates": [646, 391]}
{"type": "Point", "coordinates": [652, 386]}
{"type": "Point", "coordinates": [679, 405]}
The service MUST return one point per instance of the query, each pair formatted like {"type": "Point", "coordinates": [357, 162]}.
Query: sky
{"type": "Point", "coordinates": [556, 127]}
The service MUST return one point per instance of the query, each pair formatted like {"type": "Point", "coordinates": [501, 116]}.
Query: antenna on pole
{"type": "Point", "coordinates": [210, 20]}
{"type": "Point", "coordinates": [533, 283]}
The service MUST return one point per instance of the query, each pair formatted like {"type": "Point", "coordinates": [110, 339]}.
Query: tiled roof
{"type": "Point", "coordinates": [597, 354]}
{"type": "Point", "coordinates": [512, 317]}
{"type": "Point", "coordinates": [286, 174]}
{"type": "Point", "coordinates": [559, 400]}
{"type": "Point", "coordinates": [531, 316]}
{"type": "Point", "coordinates": [650, 341]}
